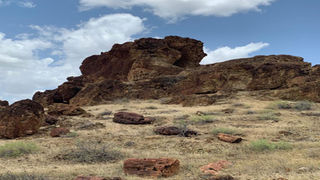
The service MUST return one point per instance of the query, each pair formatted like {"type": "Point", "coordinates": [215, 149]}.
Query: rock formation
{"type": "Point", "coordinates": [21, 119]}
{"type": "Point", "coordinates": [154, 68]}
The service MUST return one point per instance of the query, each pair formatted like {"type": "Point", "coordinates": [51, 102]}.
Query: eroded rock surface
{"type": "Point", "coordinates": [21, 119]}
{"type": "Point", "coordinates": [155, 68]}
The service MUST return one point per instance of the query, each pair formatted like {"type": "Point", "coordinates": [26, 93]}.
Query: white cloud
{"type": "Point", "coordinates": [27, 4]}
{"type": "Point", "coordinates": [227, 53]}
{"type": "Point", "coordinates": [175, 9]}
{"type": "Point", "coordinates": [23, 70]}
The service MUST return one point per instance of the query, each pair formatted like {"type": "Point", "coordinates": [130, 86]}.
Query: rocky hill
{"type": "Point", "coordinates": [156, 68]}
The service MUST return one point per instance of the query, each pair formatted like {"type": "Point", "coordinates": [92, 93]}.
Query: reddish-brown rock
{"type": "Point", "coordinates": [21, 119]}
{"type": "Point", "coordinates": [96, 178]}
{"type": "Point", "coordinates": [214, 168]}
{"type": "Point", "coordinates": [162, 167]}
{"type": "Point", "coordinates": [172, 130]}
{"type": "Point", "coordinates": [51, 120]}
{"type": "Point", "coordinates": [229, 138]}
{"type": "Point", "coordinates": [222, 177]}
{"type": "Point", "coordinates": [131, 118]}
{"type": "Point", "coordinates": [66, 110]}
{"type": "Point", "coordinates": [154, 68]}
{"type": "Point", "coordinates": [57, 132]}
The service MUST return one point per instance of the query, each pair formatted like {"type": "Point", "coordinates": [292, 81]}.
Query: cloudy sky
{"type": "Point", "coordinates": [43, 42]}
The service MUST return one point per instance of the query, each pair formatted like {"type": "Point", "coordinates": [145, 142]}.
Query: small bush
{"type": "Point", "coordinates": [71, 135]}
{"type": "Point", "coordinates": [269, 115]}
{"type": "Point", "coordinates": [202, 119]}
{"type": "Point", "coordinates": [17, 149]}
{"type": "Point", "coordinates": [264, 145]}
{"type": "Point", "coordinates": [216, 131]}
{"type": "Point", "coordinates": [91, 152]}
{"type": "Point", "coordinates": [302, 105]}
{"type": "Point", "coordinates": [283, 105]}
{"type": "Point", "coordinates": [151, 107]}
{"type": "Point", "coordinates": [11, 176]}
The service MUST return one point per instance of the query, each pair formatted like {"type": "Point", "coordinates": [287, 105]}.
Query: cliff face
{"type": "Point", "coordinates": [154, 68]}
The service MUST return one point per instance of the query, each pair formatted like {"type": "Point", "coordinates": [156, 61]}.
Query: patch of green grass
{"type": "Point", "coordinates": [151, 107]}
{"type": "Point", "coordinates": [23, 176]}
{"type": "Point", "coordinates": [16, 149]}
{"type": "Point", "coordinates": [263, 145]}
{"type": "Point", "coordinates": [216, 131]}
{"type": "Point", "coordinates": [91, 152]}
{"type": "Point", "coordinates": [71, 135]}
{"type": "Point", "coordinates": [202, 119]}
{"type": "Point", "coordinates": [302, 105]}
{"type": "Point", "coordinates": [269, 115]}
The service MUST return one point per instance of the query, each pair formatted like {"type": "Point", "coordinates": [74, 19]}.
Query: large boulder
{"type": "Point", "coordinates": [21, 119]}
{"type": "Point", "coordinates": [151, 68]}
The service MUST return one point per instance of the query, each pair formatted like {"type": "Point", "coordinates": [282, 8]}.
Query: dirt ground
{"type": "Point", "coordinates": [299, 128]}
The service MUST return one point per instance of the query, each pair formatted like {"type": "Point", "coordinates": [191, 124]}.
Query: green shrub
{"type": "Point", "coordinates": [24, 176]}
{"type": "Point", "coordinates": [151, 107]}
{"type": "Point", "coordinates": [216, 131]}
{"type": "Point", "coordinates": [91, 152]}
{"type": "Point", "coordinates": [269, 115]}
{"type": "Point", "coordinates": [283, 105]}
{"type": "Point", "coordinates": [16, 149]}
{"type": "Point", "coordinates": [202, 119]}
{"type": "Point", "coordinates": [302, 105]}
{"type": "Point", "coordinates": [264, 145]}
{"type": "Point", "coordinates": [71, 135]}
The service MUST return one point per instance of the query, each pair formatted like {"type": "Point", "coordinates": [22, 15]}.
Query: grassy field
{"type": "Point", "coordinates": [281, 139]}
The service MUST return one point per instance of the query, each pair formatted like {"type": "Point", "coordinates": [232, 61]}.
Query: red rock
{"type": "Point", "coordinates": [57, 132]}
{"type": "Point", "coordinates": [214, 168]}
{"type": "Point", "coordinates": [131, 118]}
{"type": "Point", "coordinates": [229, 138]}
{"type": "Point", "coordinates": [96, 178]}
{"type": "Point", "coordinates": [21, 119]}
{"type": "Point", "coordinates": [162, 167]}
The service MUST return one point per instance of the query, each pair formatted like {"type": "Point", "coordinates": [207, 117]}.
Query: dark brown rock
{"type": "Point", "coordinates": [4, 103]}
{"type": "Point", "coordinates": [58, 132]}
{"type": "Point", "coordinates": [229, 138]}
{"type": "Point", "coordinates": [172, 130]}
{"type": "Point", "coordinates": [162, 167]}
{"type": "Point", "coordinates": [21, 119]}
{"type": "Point", "coordinates": [51, 120]}
{"type": "Point", "coordinates": [131, 118]}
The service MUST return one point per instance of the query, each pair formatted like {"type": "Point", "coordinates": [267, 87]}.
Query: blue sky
{"type": "Point", "coordinates": [43, 42]}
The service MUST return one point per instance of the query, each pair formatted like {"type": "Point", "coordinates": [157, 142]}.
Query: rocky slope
{"type": "Point", "coordinates": [155, 68]}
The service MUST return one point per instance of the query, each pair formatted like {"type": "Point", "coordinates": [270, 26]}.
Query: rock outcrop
{"type": "Point", "coordinates": [154, 68]}
{"type": "Point", "coordinates": [21, 119]}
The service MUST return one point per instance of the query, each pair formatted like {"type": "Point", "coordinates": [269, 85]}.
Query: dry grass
{"type": "Point", "coordinates": [300, 162]}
